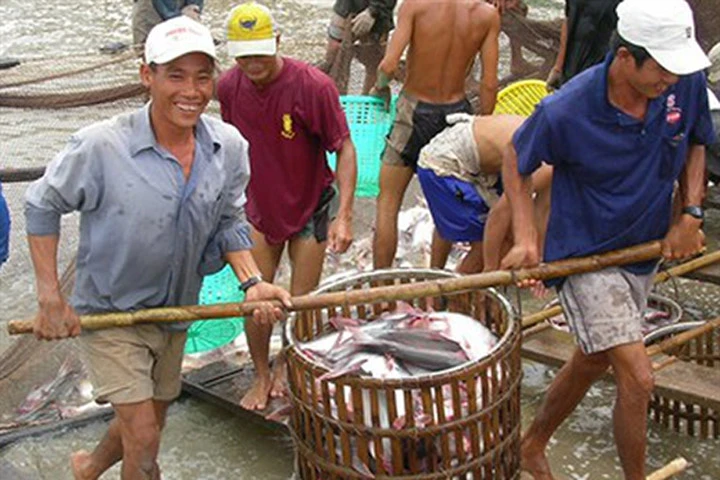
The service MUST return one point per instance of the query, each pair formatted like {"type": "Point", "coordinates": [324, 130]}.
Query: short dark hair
{"type": "Point", "coordinates": [638, 53]}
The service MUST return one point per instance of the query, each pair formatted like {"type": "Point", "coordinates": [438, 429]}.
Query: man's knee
{"type": "Point", "coordinates": [141, 441]}
{"type": "Point", "coordinates": [636, 385]}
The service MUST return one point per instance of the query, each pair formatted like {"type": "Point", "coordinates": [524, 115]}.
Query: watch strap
{"type": "Point", "coordinates": [695, 211]}
{"type": "Point", "coordinates": [250, 282]}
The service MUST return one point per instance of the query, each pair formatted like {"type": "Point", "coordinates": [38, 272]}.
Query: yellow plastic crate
{"type": "Point", "coordinates": [520, 97]}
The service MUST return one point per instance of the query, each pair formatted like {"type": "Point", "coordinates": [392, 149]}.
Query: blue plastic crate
{"type": "Point", "coordinates": [369, 125]}
{"type": "Point", "coordinates": [205, 335]}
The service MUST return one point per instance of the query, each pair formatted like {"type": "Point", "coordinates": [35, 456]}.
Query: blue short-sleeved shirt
{"type": "Point", "coordinates": [4, 229]}
{"type": "Point", "coordinates": [613, 174]}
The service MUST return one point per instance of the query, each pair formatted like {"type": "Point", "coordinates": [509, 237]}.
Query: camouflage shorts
{"type": "Point", "coordinates": [604, 309]}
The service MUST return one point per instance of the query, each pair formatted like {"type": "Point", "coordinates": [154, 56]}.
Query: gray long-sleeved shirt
{"type": "Point", "coordinates": [146, 235]}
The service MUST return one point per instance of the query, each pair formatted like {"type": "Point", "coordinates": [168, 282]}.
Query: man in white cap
{"type": "Point", "coordinates": [161, 198]}
{"type": "Point", "coordinates": [618, 136]}
{"type": "Point", "coordinates": [290, 113]}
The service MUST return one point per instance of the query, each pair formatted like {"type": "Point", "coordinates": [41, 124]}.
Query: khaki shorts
{"type": "Point", "coordinates": [134, 364]}
{"type": "Point", "coordinates": [605, 309]}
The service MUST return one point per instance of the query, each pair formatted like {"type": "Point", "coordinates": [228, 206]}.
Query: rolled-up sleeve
{"type": "Point", "coordinates": [233, 230]}
{"type": "Point", "coordinates": [71, 182]}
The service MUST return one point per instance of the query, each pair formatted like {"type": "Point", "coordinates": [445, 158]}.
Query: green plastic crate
{"type": "Point", "coordinates": [369, 125]}
{"type": "Point", "coordinates": [205, 335]}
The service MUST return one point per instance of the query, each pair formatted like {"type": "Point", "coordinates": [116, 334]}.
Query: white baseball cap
{"type": "Point", "coordinates": [665, 28]}
{"type": "Point", "coordinates": [177, 37]}
{"type": "Point", "coordinates": [714, 55]}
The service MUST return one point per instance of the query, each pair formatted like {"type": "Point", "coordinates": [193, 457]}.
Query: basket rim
{"type": "Point", "coordinates": [293, 344]}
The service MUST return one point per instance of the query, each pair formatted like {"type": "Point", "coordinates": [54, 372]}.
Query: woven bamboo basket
{"type": "Point", "coordinates": [681, 415]}
{"type": "Point", "coordinates": [354, 427]}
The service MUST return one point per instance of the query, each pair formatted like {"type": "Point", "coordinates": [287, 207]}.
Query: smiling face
{"type": "Point", "coordinates": [180, 90]}
{"type": "Point", "coordinates": [650, 79]}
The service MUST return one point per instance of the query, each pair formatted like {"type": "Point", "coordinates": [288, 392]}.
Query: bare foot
{"type": "Point", "coordinates": [80, 464]}
{"type": "Point", "coordinates": [279, 377]}
{"type": "Point", "coordinates": [535, 465]}
{"type": "Point", "coordinates": [256, 398]}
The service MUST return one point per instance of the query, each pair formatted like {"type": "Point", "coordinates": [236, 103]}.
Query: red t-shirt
{"type": "Point", "coordinates": [290, 124]}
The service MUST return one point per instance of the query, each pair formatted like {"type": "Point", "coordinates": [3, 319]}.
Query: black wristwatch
{"type": "Point", "coordinates": [694, 211]}
{"type": "Point", "coordinates": [250, 282]}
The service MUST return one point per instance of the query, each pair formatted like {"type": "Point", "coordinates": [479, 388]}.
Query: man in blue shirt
{"type": "Point", "coordinates": [148, 13]}
{"type": "Point", "coordinates": [161, 196]}
{"type": "Point", "coordinates": [4, 229]}
{"type": "Point", "coordinates": [619, 136]}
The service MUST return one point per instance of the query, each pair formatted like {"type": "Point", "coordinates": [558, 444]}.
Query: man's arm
{"type": "Point", "coordinates": [55, 318]}
{"type": "Point", "coordinates": [497, 230]}
{"type": "Point", "coordinates": [555, 76]}
{"type": "Point", "coordinates": [518, 189]}
{"type": "Point", "coordinates": [232, 238]}
{"type": "Point", "coordinates": [244, 266]}
{"type": "Point", "coordinates": [72, 182]}
{"type": "Point", "coordinates": [489, 59]}
{"type": "Point", "coordinates": [398, 42]}
{"type": "Point", "coordinates": [340, 235]}
{"type": "Point", "coordinates": [685, 236]}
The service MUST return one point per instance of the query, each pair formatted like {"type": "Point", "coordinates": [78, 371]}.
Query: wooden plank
{"type": "Point", "coordinates": [224, 383]}
{"type": "Point", "coordinates": [682, 381]}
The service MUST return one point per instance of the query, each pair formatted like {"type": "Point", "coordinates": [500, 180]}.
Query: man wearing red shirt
{"type": "Point", "coordinates": [291, 115]}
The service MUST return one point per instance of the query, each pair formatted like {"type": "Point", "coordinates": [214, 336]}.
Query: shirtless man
{"type": "Point", "coordinates": [443, 38]}
{"type": "Point", "coordinates": [459, 172]}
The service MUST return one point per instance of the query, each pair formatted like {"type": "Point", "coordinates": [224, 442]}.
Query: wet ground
{"type": "Point", "coordinates": [202, 441]}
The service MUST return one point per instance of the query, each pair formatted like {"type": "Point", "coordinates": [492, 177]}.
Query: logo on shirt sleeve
{"type": "Point", "coordinates": [287, 127]}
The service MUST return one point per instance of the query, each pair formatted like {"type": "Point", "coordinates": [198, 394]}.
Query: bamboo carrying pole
{"type": "Point", "coordinates": [638, 253]}
{"type": "Point", "coordinates": [673, 468]}
{"type": "Point", "coordinates": [676, 271]}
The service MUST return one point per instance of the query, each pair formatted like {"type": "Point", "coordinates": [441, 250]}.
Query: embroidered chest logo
{"type": "Point", "coordinates": [287, 127]}
{"type": "Point", "coordinates": [673, 114]}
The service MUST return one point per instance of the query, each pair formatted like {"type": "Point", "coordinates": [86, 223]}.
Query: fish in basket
{"type": "Point", "coordinates": [402, 344]}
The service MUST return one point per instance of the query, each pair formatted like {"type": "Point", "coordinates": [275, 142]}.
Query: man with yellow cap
{"type": "Point", "coordinates": [290, 113]}
{"type": "Point", "coordinates": [161, 195]}
{"type": "Point", "coordinates": [619, 136]}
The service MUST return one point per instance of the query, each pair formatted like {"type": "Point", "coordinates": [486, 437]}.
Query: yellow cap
{"type": "Point", "coordinates": [251, 31]}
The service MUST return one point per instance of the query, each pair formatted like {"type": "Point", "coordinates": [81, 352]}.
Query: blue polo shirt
{"type": "Point", "coordinates": [613, 174]}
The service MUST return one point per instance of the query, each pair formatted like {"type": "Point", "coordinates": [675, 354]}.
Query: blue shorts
{"type": "Point", "coordinates": [458, 210]}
